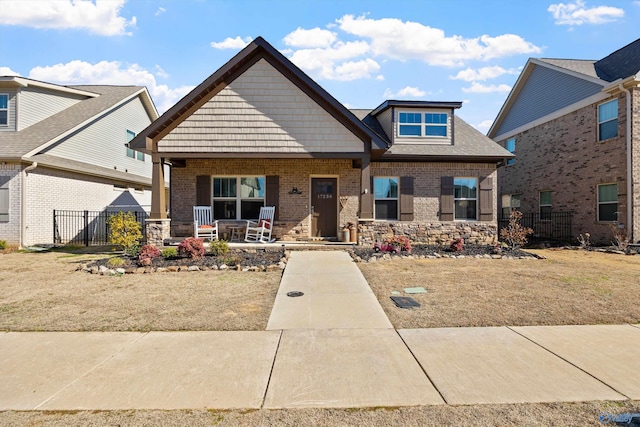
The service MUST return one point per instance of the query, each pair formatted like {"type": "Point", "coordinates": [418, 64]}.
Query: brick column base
{"type": "Point", "coordinates": [157, 231]}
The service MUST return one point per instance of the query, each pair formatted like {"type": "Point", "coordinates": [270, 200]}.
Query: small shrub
{"type": "Point", "coordinates": [3, 245]}
{"type": "Point", "coordinates": [515, 235]}
{"type": "Point", "coordinates": [147, 254]}
{"type": "Point", "coordinates": [191, 248]}
{"type": "Point", "coordinates": [457, 245]}
{"type": "Point", "coordinates": [169, 253]}
{"type": "Point", "coordinates": [218, 247]}
{"type": "Point", "coordinates": [115, 262]}
{"type": "Point", "coordinates": [585, 241]}
{"type": "Point", "coordinates": [124, 231]}
{"type": "Point", "coordinates": [620, 238]}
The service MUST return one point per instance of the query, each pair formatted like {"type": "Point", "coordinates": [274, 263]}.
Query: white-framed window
{"type": "Point", "coordinates": [509, 202]}
{"type": "Point", "coordinates": [511, 147]}
{"type": "Point", "coordinates": [4, 198]}
{"type": "Point", "coordinates": [385, 197]}
{"type": "Point", "coordinates": [412, 124]}
{"type": "Point", "coordinates": [130, 151]}
{"type": "Point", "coordinates": [4, 109]}
{"type": "Point", "coordinates": [608, 202]}
{"type": "Point", "coordinates": [238, 197]}
{"type": "Point", "coordinates": [608, 120]}
{"type": "Point", "coordinates": [545, 205]}
{"type": "Point", "coordinates": [465, 197]}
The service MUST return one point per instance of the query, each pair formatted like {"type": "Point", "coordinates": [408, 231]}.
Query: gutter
{"type": "Point", "coordinates": [629, 166]}
{"type": "Point", "coordinates": [23, 204]}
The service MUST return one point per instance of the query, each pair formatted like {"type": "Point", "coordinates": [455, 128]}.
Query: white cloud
{"type": "Point", "coordinates": [332, 63]}
{"type": "Point", "coordinates": [6, 71]}
{"type": "Point", "coordinates": [480, 88]}
{"type": "Point", "coordinates": [102, 17]}
{"type": "Point", "coordinates": [160, 11]}
{"type": "Point", "coordinates": [482, 74]}
{"type": "Point", "coordinates": [406, 92]}
{"type": "Point", "coordinates": [577, 13]}
{"type": "Point", "coordinates": [401, 40]}
{"type": "Point", "coordinates": [380, 77]}
{"type": "Point", "coordinates": [229, 43]}
{"type": "Point", "coordinates": [110, 73]}
{"type": "Point", "coordinates": [160, 72]}
{"type": "Point", "coordinates": [315, 37]}
{"type": "Point", "coordinates": [484, 125]}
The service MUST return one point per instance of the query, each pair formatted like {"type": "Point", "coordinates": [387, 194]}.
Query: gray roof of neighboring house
{"type": "Point", "coordinates": [88, 169]}
{"type": "Point", "coordinates": [15, 145]}
{"type": "Point", "coordinates": [581, 66]}
{"type": "Point", "coordinates": [622, 63]}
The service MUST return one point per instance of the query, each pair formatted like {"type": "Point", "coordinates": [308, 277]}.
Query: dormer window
{"type": "Point", "coordinates": [423, 124]}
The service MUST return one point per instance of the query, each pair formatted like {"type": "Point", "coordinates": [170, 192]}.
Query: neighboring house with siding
{"type": "Point", "coordinates": [63, 147]}
{"type": "Point", "coordinates": [574, 128]}
{"type": "Point", "coordinates": [260, 132]}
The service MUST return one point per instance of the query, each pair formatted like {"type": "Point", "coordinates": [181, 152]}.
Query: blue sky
{"type": "Point", "coordinates": [361, 52]}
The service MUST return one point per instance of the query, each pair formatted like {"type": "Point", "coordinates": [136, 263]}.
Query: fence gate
{"type": "Point", "coordinates": [86, 227]}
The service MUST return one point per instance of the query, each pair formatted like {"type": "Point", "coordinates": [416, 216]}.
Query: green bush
{"type": "Point", "coordinates": [3, 244]}
{"type": "Point", "coordinates": [169, 253]}
{"type": "Point", "coordinates": [218, 247]}
{"type": "Point", "coordinates": [115, 262]}
{"type": "Point", "coordinates": [124, 231]}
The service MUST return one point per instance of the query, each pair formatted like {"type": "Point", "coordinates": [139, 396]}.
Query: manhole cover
{"type": "Point", "coordinates": [295, 294]}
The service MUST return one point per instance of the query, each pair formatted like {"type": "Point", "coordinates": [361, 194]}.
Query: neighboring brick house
{"type": "Point", "coordinates": [260, 132]}
{"type": "Point", "coordinates": [64, 147]}
{"type": "Point", "coordinates": [573, 126]}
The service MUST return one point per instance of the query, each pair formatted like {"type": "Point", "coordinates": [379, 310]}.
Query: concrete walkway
{"type": "Point", "coordinates": [319, 352]}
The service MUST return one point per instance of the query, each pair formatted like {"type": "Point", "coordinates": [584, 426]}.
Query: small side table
{"type": "Point", "coordinates": [237, 233]}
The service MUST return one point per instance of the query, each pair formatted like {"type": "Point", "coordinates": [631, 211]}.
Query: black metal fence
{"type": "Point", "coordinates": [86, 228]}
{"type": "Point", "coordinates": [545, 226]}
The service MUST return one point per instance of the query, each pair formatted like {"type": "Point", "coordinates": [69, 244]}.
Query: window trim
{"type": "Point", "coordinates": [397, 198]}
{"type": "Point", "coordinates": [131, 153]}
{"type": "Point", "coordinates": [238, 197]}
{"type": "Point", "coordinates": [476, 199]}
{"type": "Point", "coordinates": [5, 189]}
{"type": "Point", "coordinates": [423, 124]}
{"type": "Point", "coordinates": [510, 206]}
{"type": "Point", "coordinates": [606, 203]}
{"type": "Point", "coordinates": [600, 123]}
{"type": "Point", "coordinates": [4, 125]}
{"type": "Point", "coordinates": [541, 205]}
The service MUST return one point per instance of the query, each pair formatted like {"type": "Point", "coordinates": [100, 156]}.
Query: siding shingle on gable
{"type": "Point", "coordinates": [544, 92]}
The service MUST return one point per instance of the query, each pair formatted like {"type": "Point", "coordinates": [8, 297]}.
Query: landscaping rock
{"type": "Point", "coordinates": [193, 268]}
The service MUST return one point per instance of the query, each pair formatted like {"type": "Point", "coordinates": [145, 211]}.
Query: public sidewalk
{"type": "Point", "coordinates": [327, 348]}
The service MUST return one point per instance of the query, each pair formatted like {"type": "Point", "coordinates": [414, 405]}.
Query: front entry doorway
{"type": "Point", "coordinates": [324, 207]}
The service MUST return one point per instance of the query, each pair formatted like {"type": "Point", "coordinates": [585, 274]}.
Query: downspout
{"type": "Point", "coordinates": [629, 166]}
{"type": "Point", "coordinates": [23, 204]}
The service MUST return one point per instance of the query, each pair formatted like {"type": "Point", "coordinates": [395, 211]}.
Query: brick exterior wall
{"type": "Point", "coordinates": [565, 157]}
{"type": "Point", "coordinates": [49, 189]}
{"type": "Point", "coordinates": [10, 231]}
{"type": "Point", "coordinates": [294, 221]}
{"type": "Point", "coordinates": [635, 150]}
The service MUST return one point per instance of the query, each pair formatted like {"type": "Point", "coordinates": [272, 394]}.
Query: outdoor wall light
{"type": "Point", "coordinates": [295, 190]}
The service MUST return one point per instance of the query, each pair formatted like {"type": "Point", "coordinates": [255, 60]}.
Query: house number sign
{"type": "Point", "coordinates": [325, 196]}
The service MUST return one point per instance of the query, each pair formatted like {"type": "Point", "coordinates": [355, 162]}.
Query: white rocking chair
{"type": "Point", "coordinates": [204, 227]}
{"type": "Point", "coordinates": [260, 231]}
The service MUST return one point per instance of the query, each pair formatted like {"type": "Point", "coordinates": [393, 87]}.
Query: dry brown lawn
{"type": "Point", "coordinates": [570, 287]}
{"type": "Point", "coordinates": [544, 414]}
{"type": "Point", "coordinates": [43, 292]}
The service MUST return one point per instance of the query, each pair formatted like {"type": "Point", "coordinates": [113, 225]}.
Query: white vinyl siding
{"type": "Point", "coordinates": [102, 143]}
{"type": "Point", "coordinates": [261, 111]}
{"type": "Point", "coordinates": [36, 104]}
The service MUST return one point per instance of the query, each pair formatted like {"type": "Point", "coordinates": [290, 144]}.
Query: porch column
{"type": "Point", "coordinates": [366, 196]}
{"type": "Point", "coordinates": [158, 199]}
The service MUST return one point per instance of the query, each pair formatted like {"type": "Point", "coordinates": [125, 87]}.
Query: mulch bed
{"type": "Point", "coordinates": [423, 251]}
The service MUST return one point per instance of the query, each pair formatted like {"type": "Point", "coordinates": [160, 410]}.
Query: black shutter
{"type": "Point", "coordinates": [447, 207]}
{"type": "Point", "coordinates": [203, 190]}
{"type": "Point", "coordinates": [406, 198]}
{"type": "Point", "coordinates": [486, 199]}
{"type": "Point", "coordinates": [272, 197]}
